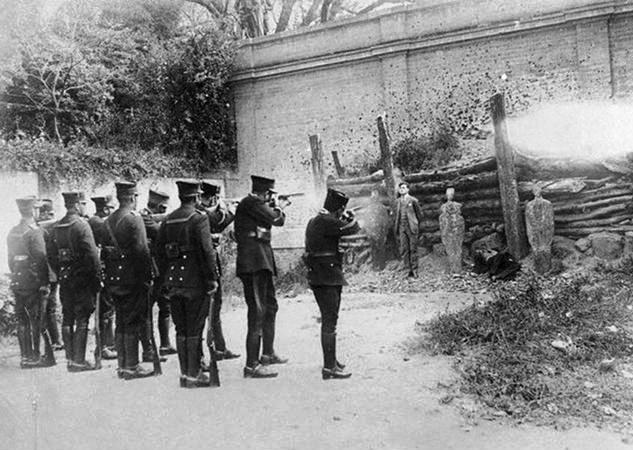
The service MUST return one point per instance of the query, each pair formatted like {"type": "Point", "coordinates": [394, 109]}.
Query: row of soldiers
{"type": "Point", "coordinates": [132, 260]}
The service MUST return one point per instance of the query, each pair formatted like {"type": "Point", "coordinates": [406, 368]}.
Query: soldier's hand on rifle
{"type": "Point", "coordinates": [348, 215]}
{"type": "Point", "coordinates": [213, 286]}
{"type": "Point", "coordinates": [44, 291]}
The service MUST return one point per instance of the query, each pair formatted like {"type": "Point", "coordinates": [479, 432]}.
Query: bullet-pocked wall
{"type": "Point", "coordinates": [417, 65]}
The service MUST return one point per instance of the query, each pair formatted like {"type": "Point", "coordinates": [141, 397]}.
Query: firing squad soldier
{"type": "Point", "coordinates": [46, 220]}
{"type": "Point", "coordinates": [325, 272]}
{"type": "Point", "coordinates": [104, 205]}
{"type": "Point", "coordinates": [187, 264]}
{"type": "Point", "coordinates": [153, 215]}
{"type": "Point", "coordinates": [73, 255]}
{"type": "Point", "coordinates": [220, 217]}
{"type": "Point", "coordinates": [128, 278]}
{"type": "Point", "coordinates": [254, 217]}
{"type": "Point", "coordinates": [29, 283]}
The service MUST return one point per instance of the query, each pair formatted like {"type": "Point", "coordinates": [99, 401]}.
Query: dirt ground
{"type": "Point", "coordinates": [392, 400]}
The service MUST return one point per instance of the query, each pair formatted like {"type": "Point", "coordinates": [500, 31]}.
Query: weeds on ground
{"type": "Point", "coordinates": [547, 348]}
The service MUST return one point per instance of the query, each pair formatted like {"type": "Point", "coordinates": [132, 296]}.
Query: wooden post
{"type": "Point", "coordinates": [513, 219]}
{"type": "Point", "coordinates": [317, 163]}
{"type": "Point", "coordinates": [386, 159]}
{"type": "Point", "coordinates": [340, 171]}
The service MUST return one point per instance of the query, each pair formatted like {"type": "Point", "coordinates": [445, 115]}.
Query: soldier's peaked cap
{"type": "Point", "coordinates": [157, 197]}
{"type": "Point", "coordinates": [262, 184]}
{"type": "Point", "coordinates": [125, 188]}
{"type": "Point", "coordinates": [210, 188]}
{"type": "Point", "coordinates": [188, 188]}
{"type": "Point", "coordinates": [103, 201]}
{"type": "Point", "coordinates": [72, 197]}
{"type": "Point", "coordinates": [25, 203]}
{"type": "Point", "coordinates": [334, 200]}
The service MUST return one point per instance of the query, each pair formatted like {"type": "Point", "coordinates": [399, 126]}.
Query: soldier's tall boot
{"type": "Point", "coordinates": [181, 348]}
{"type": "Point", "coordinates": [330, 369]}
{"type": "Point", "coordinates": [68, 338]}
{"type": "Point", "coordinates": [195, 377]}
{"type": "Point", "coordinates": [26, 356]}
{"type": "Point", "coordinates": [163, 332]}
{"type": "Point", "coordinates": [268, 343]}
{"type": "Point", "coordinates": [49, 355]}
{"type": "Point", "coordinates": [80, 340]}
{"type": "Point", "coordinates": [133, 369]}
{"type": "Point", "coordinates": [36, 333]}
{"type": "Point", "coordinates": [119, 343]}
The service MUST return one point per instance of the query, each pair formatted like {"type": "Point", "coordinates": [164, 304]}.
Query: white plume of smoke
{"type": "Point", "coordinates": [582, 130]}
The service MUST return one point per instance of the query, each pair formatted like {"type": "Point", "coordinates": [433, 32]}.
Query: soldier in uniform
{"type": "Point", "coordinates": [325, 272]}
{"type": "Point", "coordinates": [128, 278]}
{"type": "Point", "coordinates": [220, 217]}
{"type": "Point", "coordinates": [254, 217]}
{"type": "Point", "coordinates": [104, 205]}
{"type": "Point", "coordinates": [46, 220]}
{"type": "Point", "coordinates": [187, 264]}
{"type": "Point", "coordinates": [73, 255]}
{"type": "Point", "coordinates": [29, 283]}
{"type": "Point", "coordinates": [153, 215]}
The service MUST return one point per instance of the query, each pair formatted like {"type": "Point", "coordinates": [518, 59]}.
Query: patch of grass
{"type": "Point", "coordinates": [505, 352]}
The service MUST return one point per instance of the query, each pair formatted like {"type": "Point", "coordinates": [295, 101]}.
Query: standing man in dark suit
{"type": "Point", "coordinates": [220, 217]}
{"type": "Point", "coordinates": [325, 272]}
{"type": "Point", "coordinates": [104, 205]}
{"type": "Point", "coordinates": [254, 217]}
{"type": "Point", "coordinates": [127, 277]}
{"type": "Point", "coordinates": [73, 255]}
{"type": "Point", "coordinates": [29, 283]}
{"type": "Point", "coordinates": [408, 218]}
{"type": "Point", "coordinates": [153, 215]}
{"type": "Point", "coordinates": [187, 264]}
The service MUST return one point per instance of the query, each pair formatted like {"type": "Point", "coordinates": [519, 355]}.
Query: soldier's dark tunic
{"type": "Point", "coordinates": [187, 264]}
{"type": "Point", "coordinates": [29, 274]}
{"type": "Point", "coordinates": [73, 255]}
{"type": "Point", "coordinates": [127, 278]}
{"type": "Point", "coordinates": [255, 267]}
{"type": "Point", "coordinates": [325, 273]}
{"type": "Point", "coordinates": [219, 219]}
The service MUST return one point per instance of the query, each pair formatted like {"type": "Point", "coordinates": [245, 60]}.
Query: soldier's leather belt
{"type": "Point", "coordinates": [321, 254]}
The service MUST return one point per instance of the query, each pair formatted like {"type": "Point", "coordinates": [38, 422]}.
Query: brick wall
{"type": "Point", "coordinates": [417, 65]}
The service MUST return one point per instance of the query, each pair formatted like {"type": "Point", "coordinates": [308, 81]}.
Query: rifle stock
{"type": "Point", "coordinates": [150, 332]}
{"type": "Point", "coordinates": [214, 374]}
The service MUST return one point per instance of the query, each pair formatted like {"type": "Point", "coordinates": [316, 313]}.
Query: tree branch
{"type": "Point", "coordinates": [284, 16]}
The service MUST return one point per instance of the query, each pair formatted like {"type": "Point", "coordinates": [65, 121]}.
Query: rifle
{"type": "Point", "coordinates": [150, 333]}
{"type": "Point", "coordinates": [214, 374]}
{"type": "Point", "coordinates": [288, 196]}
{"type": "Point", "coordinates": [97, 352]}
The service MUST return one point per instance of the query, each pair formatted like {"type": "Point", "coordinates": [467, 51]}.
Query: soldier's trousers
{"type": "Point", "coordinates": [28, 314]}
{"type": "Point", "coordinates": [329, 300]}
{"type": "Point", "coordinates": [409, 249]}
{"type": "Point", "coordinates": [78, 303]}
{"type": "Point", "coordinates": [106, 319]}
{"type": "Point", "coordinates": [164, 312]}
{"type": "Point", "coordinates": [51, 313]}
{"type": "Point", "coordinates": [130, 306]}
{"type": "Point", "coordinates": [214, 332]}
{"type": "Point", "coordinates": [259, 293]}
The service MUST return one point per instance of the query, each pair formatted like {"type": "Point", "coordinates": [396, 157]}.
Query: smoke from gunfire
{"type": "Point", "coordinates": [587, 130]}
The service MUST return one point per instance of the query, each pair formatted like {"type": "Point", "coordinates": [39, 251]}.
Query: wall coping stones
{"type": "Point", "coordinates": [408, 28]}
